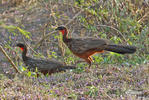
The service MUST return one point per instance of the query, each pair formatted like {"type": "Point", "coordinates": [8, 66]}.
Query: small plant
{"type": "Point", "coordinates": [92, 92]}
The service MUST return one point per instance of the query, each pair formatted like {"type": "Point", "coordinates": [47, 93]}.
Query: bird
{"type": "Point", "coordinates": [43, 66]}
{"type": "Point", "coordinates": [88, 46]}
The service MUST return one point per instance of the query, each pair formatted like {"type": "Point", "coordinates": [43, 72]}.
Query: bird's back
{"type": "Point", "coordinates": [46, 65]}
{"type": "Point", "coordinates": [81, 45]}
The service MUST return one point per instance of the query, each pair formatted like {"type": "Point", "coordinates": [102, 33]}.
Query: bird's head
{"type": "Point", "coordinates": [62, 29]}
{"type": "Point", "coordinates": [21, 46]}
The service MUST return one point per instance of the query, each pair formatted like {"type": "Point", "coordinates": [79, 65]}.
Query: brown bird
{"type": "Point", "coordinates": [43, 66]}
{"type": "Point", "coordinates": [86, 47]}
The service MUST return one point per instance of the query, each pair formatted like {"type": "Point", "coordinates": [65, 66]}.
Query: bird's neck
{"type": "Point", "coordinates": [24, 57]}
{"type": "Point", "coordinates": [65, 36]}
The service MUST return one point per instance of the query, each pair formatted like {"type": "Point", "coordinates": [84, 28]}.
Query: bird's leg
{"type": "Point", "coordinates": [88, 60]}
{"type": "Point", "coordinates": [90, 65]}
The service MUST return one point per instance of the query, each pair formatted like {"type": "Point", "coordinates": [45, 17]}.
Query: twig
{"type": "Point", "coordinates": [140, 20]}
{"type": "Point", "coordinates": [29, 46]}
{"type": "Point", "coordinates": [46, 36]}
{"type": "Point", "coordinates": [114, 29]}
{"type": "Point", "coordinates": [9, 59]}
{"type": "Point", "coordinates": [108, 96]}
{"type": "Point", "coordinates": [74, 17]}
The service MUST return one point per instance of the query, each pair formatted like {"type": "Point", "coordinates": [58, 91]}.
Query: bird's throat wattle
{"type": "Point", "coordinates": [22, 49]}
{"type": "Point", "coordinates": [63, 32]}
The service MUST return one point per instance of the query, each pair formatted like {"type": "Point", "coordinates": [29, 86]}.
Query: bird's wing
{"type": "Point", "coordinates": [43, 64]}
{"type": "Point", "coordinates": [81, 45]}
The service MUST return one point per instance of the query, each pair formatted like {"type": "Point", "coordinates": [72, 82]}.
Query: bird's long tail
{"type": "Point", "coordinates": [66, 68]}
{"type": "Point", "coordinates": [121, 49]}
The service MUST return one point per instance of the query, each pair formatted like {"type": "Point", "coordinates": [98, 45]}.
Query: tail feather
{"type": "Point", "coordinates": [66, 68]}
{"type": "Point", "coordinates": [122, 49]}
